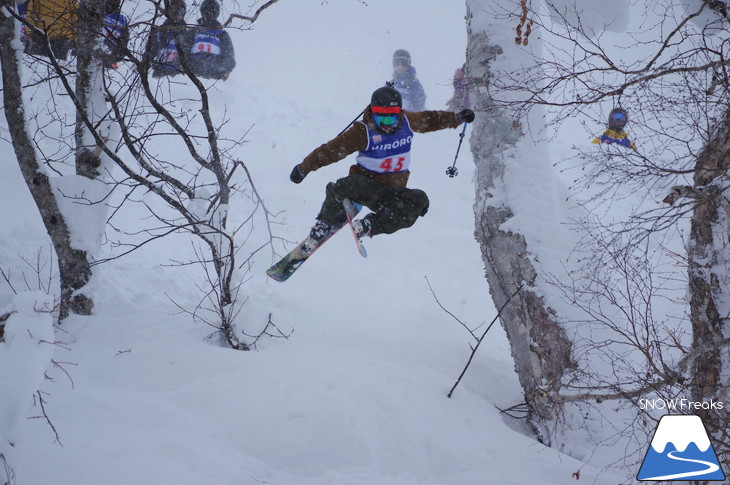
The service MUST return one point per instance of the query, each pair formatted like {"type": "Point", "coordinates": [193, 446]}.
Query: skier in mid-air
{"type": "Point", "coordinates": [378, 179]}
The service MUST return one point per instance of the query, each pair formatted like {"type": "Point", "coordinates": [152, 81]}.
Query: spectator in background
{"type": "Point", "coordinates": [615, 133]}
{"type": "Point", "coordinates": [460, 99]}
{"type": "Point", "coordinates": [57, 19]}
{"type": "Point", "coordinates": [211, 55]}
{"type": "Point", "coordinates": [406, 83]}
{"type": "Point", "coordinates": [22, 8]}
{"type": "Point", "coordinates": [116, 33]}
{"type": "Point", "coordinates": [164, 49]}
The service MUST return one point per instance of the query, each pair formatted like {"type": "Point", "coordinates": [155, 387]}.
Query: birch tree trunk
{"type": "Point", "coordinates": [539, 346]}
{"type": "Point", "coordinates": [74, 268]}
{"type": "Point", "coordinates": [89, 88]}
{"type": "Point", "coordinates": [708, 256]}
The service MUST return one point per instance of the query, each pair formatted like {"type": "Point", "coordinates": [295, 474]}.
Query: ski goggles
{"type": "Point", "coordinates": [618, 118]}
{"type": "Point", "coordinates": [386, 120]}
{"type": "Point", "coordinates": [385, 116]}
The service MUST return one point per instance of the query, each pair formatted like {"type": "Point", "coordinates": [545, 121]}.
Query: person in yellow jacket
{"type": "Point", "coordinates": [57, 20]}
{"type": "Point", "coordinates": [615, 133]}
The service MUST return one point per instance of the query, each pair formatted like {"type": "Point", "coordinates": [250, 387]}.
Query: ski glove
{"type": "Point", "coordinates": [465, 115]}
{"type": "Point", "coordinates": [297, 175]}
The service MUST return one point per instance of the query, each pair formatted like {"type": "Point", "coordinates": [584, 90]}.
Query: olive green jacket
{"type": "Point", "coordinates": [356, 139]}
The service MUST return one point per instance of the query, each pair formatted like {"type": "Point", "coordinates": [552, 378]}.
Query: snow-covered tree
{"type": "Point", "coordinates": [600, 318]}
{"type": "Point", "coordinates": [124, 124]}
{"type": "Point", "coordinates": [73, 264]}
{"type": "Point", "coordinates": [80, 173]}
{"type": "Point", "coordinates": [540, 347]}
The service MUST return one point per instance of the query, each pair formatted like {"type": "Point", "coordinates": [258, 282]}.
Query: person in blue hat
{"type": "Point", "coordinates": [615, 133]}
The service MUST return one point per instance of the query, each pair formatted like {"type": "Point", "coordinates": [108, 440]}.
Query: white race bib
{"type": "Point", "coordinates": [394, 164]}
{"type": "Point", "coordinates": [205, 48]}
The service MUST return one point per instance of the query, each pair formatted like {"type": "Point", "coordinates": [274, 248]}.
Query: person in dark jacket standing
{"type": "Point", "coordinates": [405, 81]}
{"type": "Point", "coordinates": [211, 55]}
{"type": "Point", "coordinates": [378, 179]}
{"type": "Point", "coordinates": [164, 50]}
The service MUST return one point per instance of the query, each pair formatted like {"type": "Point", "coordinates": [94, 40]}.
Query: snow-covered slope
{"type": "Point", "coordinates": [357, 393]}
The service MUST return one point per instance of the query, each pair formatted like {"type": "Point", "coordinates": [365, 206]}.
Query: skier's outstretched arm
{"type": "Point", "coordinates": [352, 140]}
{"type": "Point", "coordinates": [425, 121]}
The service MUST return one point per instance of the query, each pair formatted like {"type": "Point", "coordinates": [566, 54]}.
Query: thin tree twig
{"type": "Point", "coordinates": [48, 420]}
{"type": "Point", "coordinates": [448, 312]}
{"type": "Point", "coordinates": [255, 15]}
{"type": "Point", "coordinates": [479, 341]}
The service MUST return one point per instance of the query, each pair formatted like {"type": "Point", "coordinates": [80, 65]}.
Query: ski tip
{"type": "Point", "coordinates": [276, 277]}
{"type": "Point", "coordinates": [277, 273]}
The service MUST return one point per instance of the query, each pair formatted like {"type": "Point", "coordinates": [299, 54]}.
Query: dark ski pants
{"type": "Point", "coordinates": [394, 208]}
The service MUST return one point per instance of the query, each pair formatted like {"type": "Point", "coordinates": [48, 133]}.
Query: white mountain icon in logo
{"type": "Point", "coordinates": [680, 450]}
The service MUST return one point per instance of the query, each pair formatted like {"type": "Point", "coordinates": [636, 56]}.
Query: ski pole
{"type": "Point", "coordinates": [353, 121]}
{"type": "Point", "coordinates": [452, 171]}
